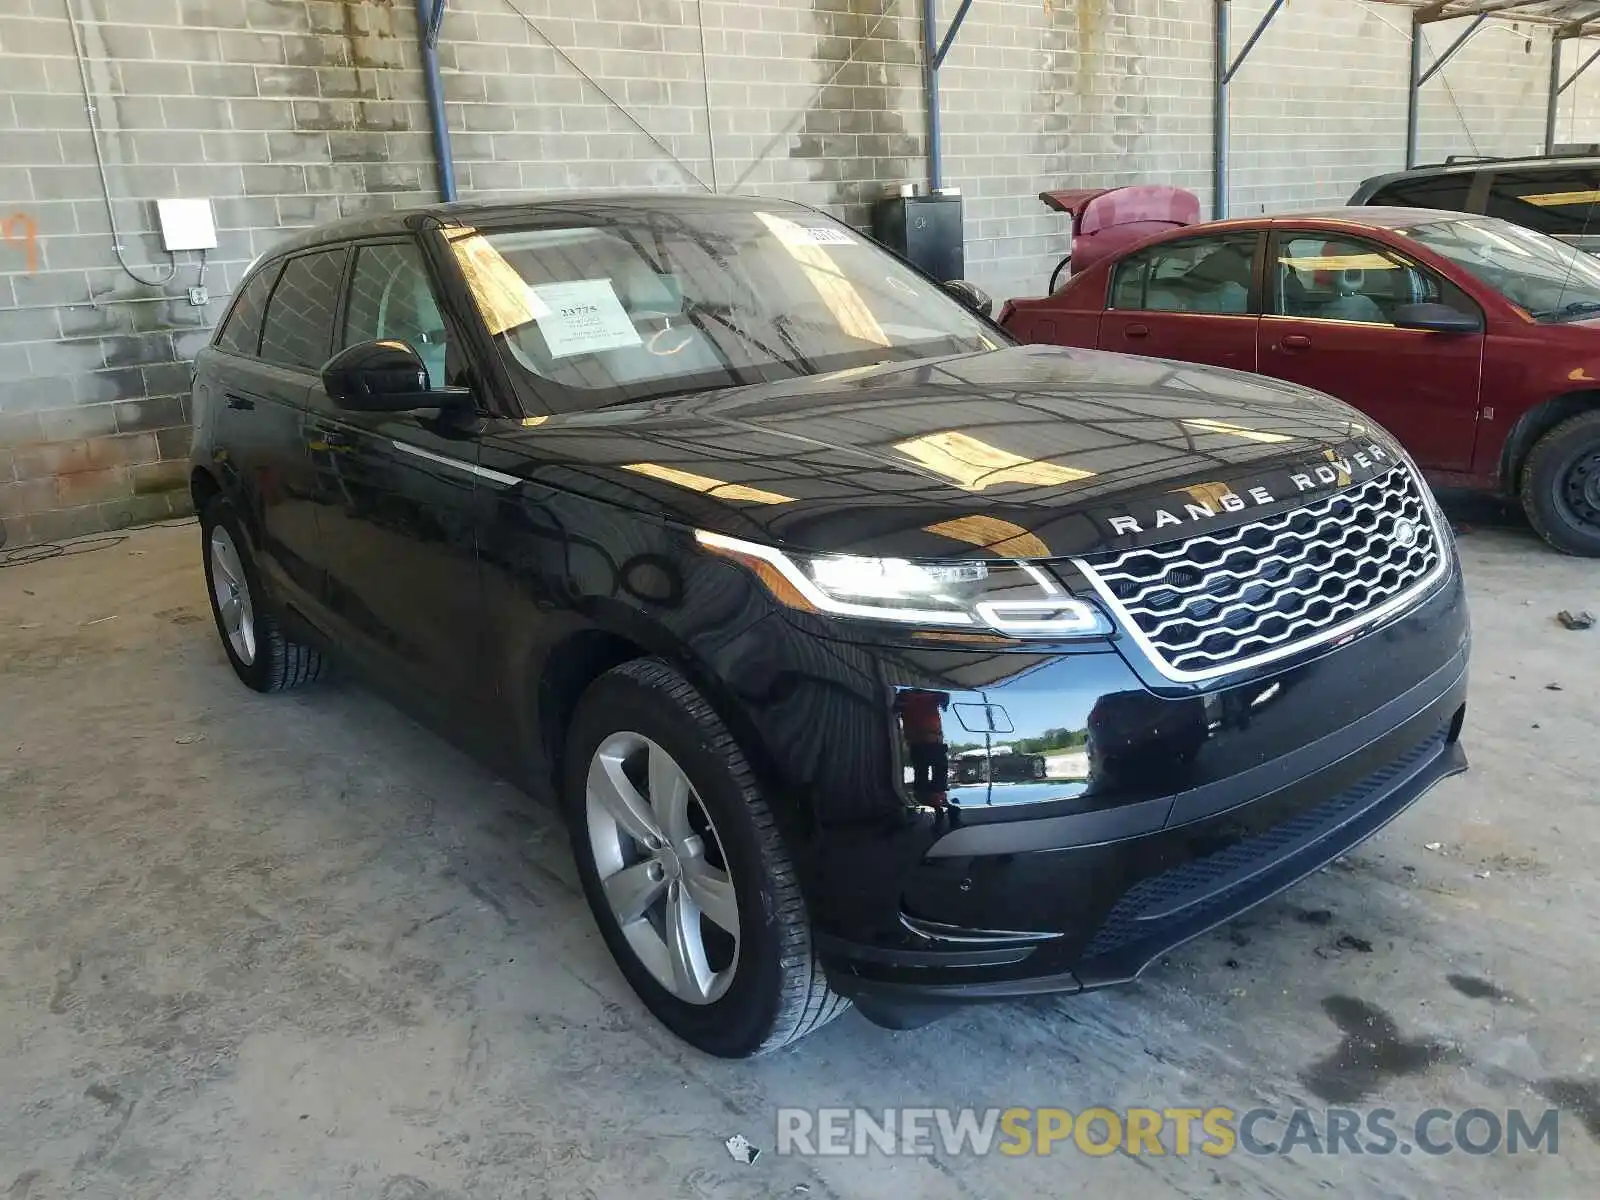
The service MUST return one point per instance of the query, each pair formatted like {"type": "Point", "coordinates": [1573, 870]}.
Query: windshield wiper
{"type": "Point", "coordinates": [1577, 308]}
{"type": "Point", "coordinates": [694, 309]}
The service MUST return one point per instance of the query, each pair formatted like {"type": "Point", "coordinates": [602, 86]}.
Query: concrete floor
{"type": "Point", "coordinates": [297, 946]}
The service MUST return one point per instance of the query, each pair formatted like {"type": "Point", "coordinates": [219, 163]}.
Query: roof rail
{"type": "Point", "coordinates": [1574, 150]}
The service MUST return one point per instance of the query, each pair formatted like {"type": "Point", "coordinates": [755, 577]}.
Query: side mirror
{"type": "Point", "coordinates": [970, 295]}
{"type": "Point", "coordinates": [1436, 318]}
{"type": "Point", "coordinates": [386, 376]}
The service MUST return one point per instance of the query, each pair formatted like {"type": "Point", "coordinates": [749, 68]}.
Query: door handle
{"type": "Point", "coordinates": [328, 437]}
{"type": "Point", "coordinates": [1136, 331]}
{"type": "Point", "coordinates": [1295, 341]}
{"type": "Point", "coordinates": [242, 403]}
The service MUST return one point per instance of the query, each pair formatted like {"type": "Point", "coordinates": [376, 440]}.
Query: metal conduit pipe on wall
{"type": "Point", "coordinates": [430, 15]}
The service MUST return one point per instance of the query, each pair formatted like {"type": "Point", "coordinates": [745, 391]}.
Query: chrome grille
{"type": "Point", "coordinates": [1223, 601]}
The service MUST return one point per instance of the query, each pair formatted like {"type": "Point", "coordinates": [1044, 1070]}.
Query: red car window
{"type": "Point", "coordinates": [1195, 275]}
{"type": "Point", "coordinates": [1346, 279]}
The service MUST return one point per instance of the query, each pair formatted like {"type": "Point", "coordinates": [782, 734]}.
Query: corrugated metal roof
{"type": "Point", "coordinates": [1573, 15]}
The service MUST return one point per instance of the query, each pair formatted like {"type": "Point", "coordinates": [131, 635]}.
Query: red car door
{"type": "Point", "coordinates": [1328, 325]}
{"type": "Point", "coordinates": [1193, 299]}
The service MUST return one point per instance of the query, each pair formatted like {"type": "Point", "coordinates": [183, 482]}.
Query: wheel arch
{"type": "Point", "coordinates": [557, 682]}
{"type": "Point", "coordinates": [1533, 425]}
{"type": "Point", "coordinates": [203, 488]}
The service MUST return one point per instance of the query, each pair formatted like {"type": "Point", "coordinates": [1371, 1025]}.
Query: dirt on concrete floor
{"type": "Point", "coordinates": [297, 946]}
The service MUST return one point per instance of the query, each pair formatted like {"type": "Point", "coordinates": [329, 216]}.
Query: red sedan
{"type": "Point", "coordinates": [1475, 341]}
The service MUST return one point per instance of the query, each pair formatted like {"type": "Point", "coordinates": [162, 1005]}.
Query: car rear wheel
{"type": "Point", "coordinates": [252, 637]}
{"type": "Point", "coordinates": [1561, 485]}
{"type": "Point", "coordinates": [685, 870]}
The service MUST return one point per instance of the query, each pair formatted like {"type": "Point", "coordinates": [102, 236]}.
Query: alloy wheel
{"type": "Point", "coordinates": [231, 591]}
{"type": "Point", "coordinates": [662, 868]}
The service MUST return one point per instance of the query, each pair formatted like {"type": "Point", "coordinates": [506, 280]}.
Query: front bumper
{"type": "Point", "coordinates": [1117, 815]}
{"type": "Point", "coordinates": [1127, 901]}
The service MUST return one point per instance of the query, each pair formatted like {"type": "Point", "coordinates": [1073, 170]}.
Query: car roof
{"type": "Point", "coordinates": [501, 213]}
{"type": "Point", "coordinates": [1352, 215]}
{"type": "Point", "coordinates": [1376, 216]}
{"type": "Point", "coordinates": [1468, 166]}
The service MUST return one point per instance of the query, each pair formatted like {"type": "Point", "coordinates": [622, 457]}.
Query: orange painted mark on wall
{"type": "Point", "coordinates": [20, 229]}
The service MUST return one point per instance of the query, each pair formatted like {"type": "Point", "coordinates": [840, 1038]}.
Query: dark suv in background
{"type": "Point", "coordinates": [1553, 195]}
{"type": "Point", "coordinates": [868, 654]}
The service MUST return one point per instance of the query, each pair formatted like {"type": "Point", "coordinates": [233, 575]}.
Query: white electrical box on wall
{"type": "Point", "coordinates": [186, 224]}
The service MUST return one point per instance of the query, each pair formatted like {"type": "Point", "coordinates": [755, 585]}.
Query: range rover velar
{"type": "Point", "coordinates": [871, 656]}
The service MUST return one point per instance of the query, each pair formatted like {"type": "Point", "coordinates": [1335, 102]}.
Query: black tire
{"type": "Point", "coordinates": [1561, 485]}
{"type": "Point", "coordinates": [778, 992]}
{"type": "Point", "coordinates": [277, 664]}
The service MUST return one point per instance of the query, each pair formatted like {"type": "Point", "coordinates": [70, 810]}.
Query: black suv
{"type": "Point", "coordinates": [869, 655]}
{"type": "Point", "coordinates": [1553, 195]}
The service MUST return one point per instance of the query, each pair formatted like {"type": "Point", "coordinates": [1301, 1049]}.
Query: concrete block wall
{"type": "Point", "coordinates": [287, 113]}
{"type": "Point", "coordinates": [1069, 93]}
{"type": "Point", "coordinates": [283, 114]}
{"type": "Point", "coordinates": [1321, 102]}
{"type": "Point", "coordinates": [813, 100]}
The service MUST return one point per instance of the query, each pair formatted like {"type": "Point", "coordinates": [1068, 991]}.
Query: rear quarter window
{"type": "Point", "coordinates": [298, 330]}
{"type": "Point", "coordinates": [1560, 202]}
{"type": "Point", "coordinates": [1432, 191]}
{"type": "Point", "coordinates": [241, 330]}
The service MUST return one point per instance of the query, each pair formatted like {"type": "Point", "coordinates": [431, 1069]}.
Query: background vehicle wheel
{"type": "Point", "coordinates": [251, 635]}
{"type": "Point", "coordinates": [684, 868]}
{"type": "Point", "coordinates": [1561, 485]}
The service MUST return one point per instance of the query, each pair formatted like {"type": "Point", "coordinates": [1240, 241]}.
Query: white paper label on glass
{"type": "Point", "coordinates": [585, 317]}
{"type": "Point", "coordinates": [826, 235]}
{"type": "Point", "coordinates": [792, 233]}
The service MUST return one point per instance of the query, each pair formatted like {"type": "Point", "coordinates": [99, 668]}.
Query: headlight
{"type": "Point", "coordinates": [1014, 598]}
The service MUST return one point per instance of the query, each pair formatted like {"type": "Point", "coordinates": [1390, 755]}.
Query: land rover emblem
{"type": "Point", "coordinates": [1406, 533]}
{"type": "Point", "coordinates": [1215, 500]}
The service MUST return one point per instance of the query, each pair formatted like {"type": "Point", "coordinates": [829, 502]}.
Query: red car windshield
{"type": "Point", "coordinates": [1551, 280]}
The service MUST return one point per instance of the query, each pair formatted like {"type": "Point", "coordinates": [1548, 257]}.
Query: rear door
{"type": "Point", "coordinates": [266, 406]}
{"type": "Point", "coordinates": [396, 493]}
{"type": "Point", "coordinates": [1194, 299]}
{"type": "Point", "coordinates": [1330, 299]}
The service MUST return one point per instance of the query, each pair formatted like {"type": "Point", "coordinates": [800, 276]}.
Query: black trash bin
{"type": "Point", "coordinates": [926, 230]}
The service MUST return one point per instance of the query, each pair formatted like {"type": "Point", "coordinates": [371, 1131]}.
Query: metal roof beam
{"type": "Point", "coordinates": [1250, 42]}
{"type": "Point", "coordinates": [1450, 50]}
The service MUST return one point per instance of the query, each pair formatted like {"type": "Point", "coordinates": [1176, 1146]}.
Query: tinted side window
{"type": "Point", "coordinates": [1346, 279]}
{"type": "Point", "coordinates": [241, 332]}
{"type": "Point", "coordinates": [1433, 191]}
{"type": "Point", "coordinates": [1552, 201]}
{"type": "Point", "coordinates": [299, 324]}
{"type": "Point", "coordinates": [390, 297]}
{"type": "Point", "coordinates": [1202, 275]}
{"type": "Point", "coordinates": [1127, 285]}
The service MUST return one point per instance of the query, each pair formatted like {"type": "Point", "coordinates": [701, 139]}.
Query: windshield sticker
{"type": "Point", "coordinates": [792, 233]}
{"type": "Point", "coordinates": [825, 235]}
{"type": "Point", "coordinates": [585, 317]}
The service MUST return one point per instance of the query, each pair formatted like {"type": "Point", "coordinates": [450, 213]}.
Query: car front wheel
{"type": "Point", "coordinates": [685, 870]}
{"type": "Point", "coordinates": [1561, 485]}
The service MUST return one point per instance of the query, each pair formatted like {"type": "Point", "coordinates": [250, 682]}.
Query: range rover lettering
{"type": "Point", "coordinates": [869, 655]}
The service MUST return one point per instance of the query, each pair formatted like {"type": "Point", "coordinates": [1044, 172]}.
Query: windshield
{"type": "Point", "coordinates": [1549, 279]}
{"type": "Point", "coordinates": [638, 303]}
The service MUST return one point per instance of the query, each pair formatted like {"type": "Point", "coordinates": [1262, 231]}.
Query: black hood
{"type": "Point", "coordinates": [1026, 452]}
